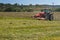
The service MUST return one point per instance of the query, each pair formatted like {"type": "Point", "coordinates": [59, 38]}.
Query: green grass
{"type": "Point", "coordinates": [29, 29]}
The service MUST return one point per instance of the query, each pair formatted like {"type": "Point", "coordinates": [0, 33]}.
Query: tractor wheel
{"type": "Point", "coordinates": [50, 17]}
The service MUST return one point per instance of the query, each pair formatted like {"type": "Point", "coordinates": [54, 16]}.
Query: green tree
{"type": "Point", "coordinates": [9, 9]}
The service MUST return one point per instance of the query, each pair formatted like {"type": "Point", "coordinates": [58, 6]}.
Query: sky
{"type": "Point", "coordinates": [27, 2]}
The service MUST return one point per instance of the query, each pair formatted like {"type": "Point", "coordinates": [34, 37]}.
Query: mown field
{"type": "Point", "coordinates": [13, 27]}
{"type": "Point", "coordinates": [24, 15]}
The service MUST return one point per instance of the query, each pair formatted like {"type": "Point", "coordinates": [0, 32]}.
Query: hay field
{"type": "Point", "coordinates": [16, 26]}
{"type": "Point", "coordinates": [24, 15]}
{"type": "Point", "coordinates": [17, 14]}
{"type": "Point", "coordinates": [25, 29]}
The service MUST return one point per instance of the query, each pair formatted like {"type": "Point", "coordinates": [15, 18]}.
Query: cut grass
{"type": "Point", "coordinates": [29, 29]}
{"type": "Point", "coordinates": [24, 15]}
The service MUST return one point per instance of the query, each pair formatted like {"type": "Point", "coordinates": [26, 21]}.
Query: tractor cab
{"type": "Point", "coordinates": [45, 14]}
{"type": "Point", "coordinates": [47, 10]}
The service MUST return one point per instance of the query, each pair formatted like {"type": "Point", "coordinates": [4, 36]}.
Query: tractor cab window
{"type": "Point", "coordinates": [47, 10]}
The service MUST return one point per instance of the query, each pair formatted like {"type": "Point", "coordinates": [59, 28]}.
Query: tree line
{"type": "Point", "coordinates": [15, 8]}
{"type": "Point", "coordinates": [22, 8]}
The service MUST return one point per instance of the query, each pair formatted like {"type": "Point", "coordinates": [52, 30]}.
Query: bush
{"type": "Point", "coordinates": [8, 9]}
{"type": "Point", "coordinates": [29, 10]}
{"type": "Point", "coordinates": [57, 10]}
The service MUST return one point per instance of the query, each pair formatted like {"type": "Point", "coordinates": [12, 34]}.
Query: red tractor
{"type": "Point", "coordinates": [44, 15]}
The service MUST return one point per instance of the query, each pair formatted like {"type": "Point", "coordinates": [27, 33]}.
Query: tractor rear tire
{"type": "Point", "coordinates": [50, 17]}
